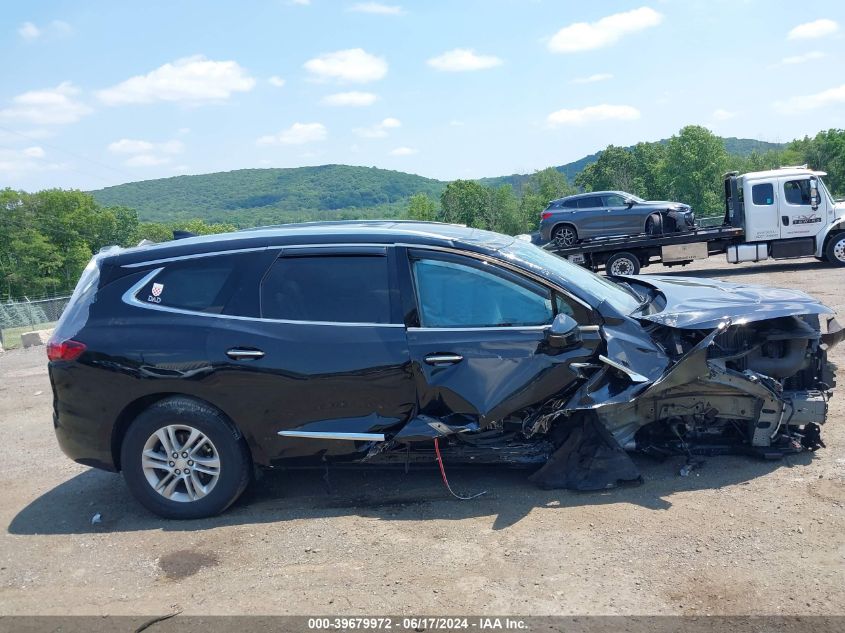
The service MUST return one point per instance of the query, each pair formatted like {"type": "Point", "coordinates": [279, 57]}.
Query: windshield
{"type": "Point", "coordinates": [634, 198]}
{"type": "Point", "coordinates": [575, 276]}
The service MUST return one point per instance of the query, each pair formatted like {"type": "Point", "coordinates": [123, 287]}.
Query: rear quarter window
{"type": "Point", "coordinates": [204, 285]}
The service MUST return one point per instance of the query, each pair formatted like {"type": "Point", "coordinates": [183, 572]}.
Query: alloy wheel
{"type": "Point", "coordinates": [180, 463]}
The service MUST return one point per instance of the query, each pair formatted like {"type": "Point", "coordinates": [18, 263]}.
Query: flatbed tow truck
{"type": "Point", "coordinates": [780, 214]}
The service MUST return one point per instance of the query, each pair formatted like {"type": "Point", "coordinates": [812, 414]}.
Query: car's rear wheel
{"type": "Point", "coordinates": [835, 250]}
{"type": "Point", "coordinates": [654, 224]}
{"type": "Point", "coordinates": [565, 235]}
{"type": "Point", "coordinates": [622, 264]}
{"type": "Point", "coordinates": [183, 460]}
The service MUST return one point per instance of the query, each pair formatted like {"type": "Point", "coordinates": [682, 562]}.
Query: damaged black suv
{"type": "Point", "coordinates": [186, 364]}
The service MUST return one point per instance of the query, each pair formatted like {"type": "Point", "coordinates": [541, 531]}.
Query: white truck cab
{"type": "Point", "coordinates": [786, 212]}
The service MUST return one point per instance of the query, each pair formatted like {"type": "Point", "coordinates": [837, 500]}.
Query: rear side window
{"type": "Point", "coordinates": [763, 195]}
{"type": "Point", "coordinates": [570, 204]}
{"type": "Point", "coordinates": [199, 285]}
{"type": "Point", "coordinates": [589, 203]}
{"type": "Point", "coordinates": [328, 288]}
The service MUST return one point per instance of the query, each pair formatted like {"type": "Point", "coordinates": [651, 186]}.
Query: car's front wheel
{"type": "Point", "coordinates": [183, 460]}
{"type": "Point", "coordinates": [565, 235]}
{"type": "Point", "coordinates": [654, 224]}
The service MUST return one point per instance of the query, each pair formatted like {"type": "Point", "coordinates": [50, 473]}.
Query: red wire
{"type": "Point", "coordinates": [445, 480]}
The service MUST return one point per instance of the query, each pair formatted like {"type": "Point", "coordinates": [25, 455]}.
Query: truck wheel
{"type": "Point", "coordinates": [654, 224]}
{"type": "Point", "coordinates": [835, 250]}
{"type": "Point", "coordinates": [622, 264]}
{"type": "Point", "coordinates": [565, 235]}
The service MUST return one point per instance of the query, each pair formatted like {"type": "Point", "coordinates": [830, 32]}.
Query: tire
{"type": "Point", "coordinates": [654, 224]}
{"type": "Point", "coordinates": [622, 264]}
{"type": "Point", "coordinates": [219, 472]}
{"type": "Point", "coordinates": [565, 235]}
{"type": "Point", "coordinates": [835, 250]}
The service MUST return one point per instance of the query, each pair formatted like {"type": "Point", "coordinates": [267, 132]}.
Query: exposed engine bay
{"type": "Point", "coordinates": [711, 383]}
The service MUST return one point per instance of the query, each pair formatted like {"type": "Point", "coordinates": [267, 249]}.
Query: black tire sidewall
{"type": "Point", "coordinates": [828, 251]}
{"type": "Point", "coordinates": [617, 256]}
{"type": "Point", "coordinates": [234, 458]}
{"type": "Point", "coordinates": [556, 232]}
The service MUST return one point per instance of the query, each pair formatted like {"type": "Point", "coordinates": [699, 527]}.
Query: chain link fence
{"type": "Point", "coordinates": [17, 317]}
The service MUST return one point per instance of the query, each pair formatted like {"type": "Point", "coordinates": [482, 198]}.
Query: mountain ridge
{"type": "Point", "coordinates": [249, 197]}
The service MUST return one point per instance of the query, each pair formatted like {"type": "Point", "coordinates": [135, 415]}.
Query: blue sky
{"type": "Point", "coordinates": [98, 93]}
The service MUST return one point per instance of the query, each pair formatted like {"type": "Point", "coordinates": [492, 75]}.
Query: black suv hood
{"type": "Point", "coordinates": [704, 303]}
{"type": "Point", "coordinates": [664, 204]}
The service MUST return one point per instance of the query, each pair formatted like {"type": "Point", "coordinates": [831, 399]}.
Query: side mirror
{"type": "Point", "coordinates": [814, 193]}
{"type": "Point", "coordinates": [564, 332]}
{"type": "Point", "coordinates": [629, 203]}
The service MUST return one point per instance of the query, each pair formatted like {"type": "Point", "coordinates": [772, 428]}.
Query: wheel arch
{"type": "Point", "coordinates": [132, 410]}
{"type": "Point", "coordinates": [832, 230]}
{"type": "Point", "coordinates": [561, 223]}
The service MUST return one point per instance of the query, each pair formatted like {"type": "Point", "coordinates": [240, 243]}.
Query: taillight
{"type": "Point", "coordinates": [64, 350]}
{"type": "Point", "coordinates": [545, 215]}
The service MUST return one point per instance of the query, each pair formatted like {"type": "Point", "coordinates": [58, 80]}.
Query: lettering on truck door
{"type": "Point", "coordinates": [797, 216]}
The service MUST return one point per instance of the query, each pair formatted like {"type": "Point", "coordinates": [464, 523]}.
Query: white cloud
{"type": "Point", "coordinates": [800, 59]}
{"type": "Point", "coordinates": [462, 60]}
{"type": "Point", "coordinates": [146, 160]}
{"type": "Point", "coordinates": [135, 146]}
{"type": "Point", "coordinates": [603, 112]}
{"type": "Point", "coordinates": [804, 103]}
{"type": "Point", "coordinates": [354, 65]}
{"type": "Point", "coordinates": [277, 81]}
{"type": "Point", "coordinates": [356, 99]}
{"type": "Point", "coordinates": [29, 31]}
{"type": "Point", "coordinates": [15, 163]}
{"type": "Point", "coordinates": [723, 115]}
{"type": "Point", "coordinates": [51, 106]}
{"type": "Point", "coordinates": [377, 7]}
{"type": "Point", "coordinates": [34, 152]}
{"type": "Point", "coordinates": [592, 78]}
{"type": "Point", "coordinates": [146, 153]}
{"type": "Point", "coordinates": [379, 130]}
{"type": "Point", "coordinates": [456, 123]}
{"type": "Point", "coordinates": [812, 30]}
{"type": "Point", "coordinates": [403, 151]}
{"type": "Point", "coordinates": [587, 36]}
{"type": "Point", "coordinates": [194, 80]}
{"type": "Point", "coordinates": [296, 134]}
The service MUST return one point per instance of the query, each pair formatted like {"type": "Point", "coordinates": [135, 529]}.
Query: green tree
{"type": "Point", "coordinates": [463, 202]}
{"type": "Point", "coordinates": [696, 160]}
{"type": "Point", "coordinates": [421, 207]}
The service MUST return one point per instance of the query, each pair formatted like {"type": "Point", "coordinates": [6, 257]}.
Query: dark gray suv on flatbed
{"type": "Point", "coordinates": [608, 213]}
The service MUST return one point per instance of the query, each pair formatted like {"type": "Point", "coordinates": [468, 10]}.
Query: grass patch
{"type": "Point", "coordinates": [12, 335]}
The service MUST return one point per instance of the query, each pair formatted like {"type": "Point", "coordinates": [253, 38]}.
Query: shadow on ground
{"type": "Point", "coordinates": [390, 495]}
{"type": "Point", "coordinates": [732, 270]}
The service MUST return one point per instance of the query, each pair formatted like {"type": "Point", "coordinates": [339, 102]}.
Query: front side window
{"type": "Point", "coordinates": [763, 195]}
{"type": "Point", "coordinates": [797, 192]}
{"type": "Point", "coordinates": [327, 288]}
{"type": "Point", "coordinates": [452, 294]}
{"type": "Point", "coordinates": [614, 200]}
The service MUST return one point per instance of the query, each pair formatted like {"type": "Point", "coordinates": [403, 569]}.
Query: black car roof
{"type": "Point", "coordinates": [587, 194]}
{"type": "Point", "coordinates": [352, 231]}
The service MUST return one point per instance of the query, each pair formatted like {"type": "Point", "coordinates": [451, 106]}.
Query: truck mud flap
{"type": "Point", "coordinates": [588, 459]}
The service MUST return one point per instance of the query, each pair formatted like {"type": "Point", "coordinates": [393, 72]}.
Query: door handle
{"type": "Point", "coordinates": [239, 353]}
{"type": "Point", "coordinates": [443, 359]}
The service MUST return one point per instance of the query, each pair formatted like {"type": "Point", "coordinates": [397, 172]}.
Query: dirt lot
{"type": "Point", "coordinates": [738, 536]}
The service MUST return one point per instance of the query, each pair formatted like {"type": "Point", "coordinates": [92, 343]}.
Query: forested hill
{"type": "Point", "coordinates": [250, 197]}
{"type": "Point", "coordinates": [734, 146]}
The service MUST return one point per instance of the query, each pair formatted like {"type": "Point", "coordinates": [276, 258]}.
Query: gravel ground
{"type": "Point", "coordinates": [738, 536]}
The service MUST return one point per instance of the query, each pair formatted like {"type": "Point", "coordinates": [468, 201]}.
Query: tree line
{"type": "Point", "coordinates": [49, 236]}
{"type": "Point", "coordinates": [687, 168]}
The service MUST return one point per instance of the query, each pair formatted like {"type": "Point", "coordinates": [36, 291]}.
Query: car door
{"type": "Point", "coordinates": [592, 217]}
{"type": "Point", "coordinates": [325, 369]}
{"type": "Point", "coordinates": [477, 338]}
{"type": "Point", "coordinates": [621, 219]}
{"type": "Point", "coordinates": [798, 218]}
